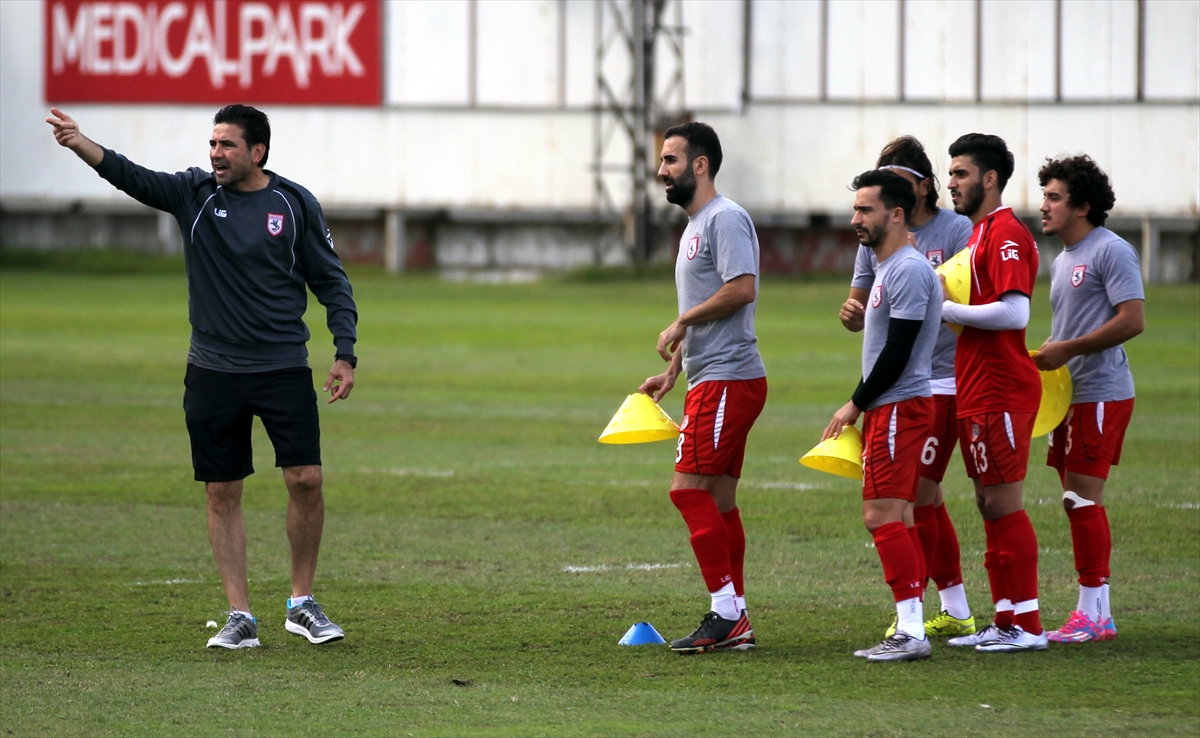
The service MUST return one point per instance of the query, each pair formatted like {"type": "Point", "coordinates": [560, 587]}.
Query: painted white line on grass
{"type": "Point", "coordinates": [1181, 505]}
{"type": "Point", "coordinates": [409, 472]}
{"type": "Point", "coordinates": [785, 485]}
{"type": "Point", "coordinates": [169, 581]}
{"type": "Point", "coordinates": [627, 567]}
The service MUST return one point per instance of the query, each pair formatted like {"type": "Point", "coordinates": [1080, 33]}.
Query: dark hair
{"type": "Point", "coordinates": [701, 141]}
{"type": "Point", "coordinates": [894, 190]}
{"type": "Point", "coordinates": [987, 152]}
{"type": "Point", "coordinates": [256, 128]}
{"type": "Point", "coordinates": [907, 151]}
{"type": "Point", "coordinates": [1087, 184]}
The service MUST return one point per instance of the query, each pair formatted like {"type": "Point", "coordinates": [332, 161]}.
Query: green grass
{"type": "Point", "coordinates": [463, 476]}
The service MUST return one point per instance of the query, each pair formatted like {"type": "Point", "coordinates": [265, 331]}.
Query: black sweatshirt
{"type": "Point", "coordinates": [249, 256]}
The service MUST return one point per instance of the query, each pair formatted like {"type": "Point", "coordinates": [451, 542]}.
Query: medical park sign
{"type": "Point", "coordinates": [214, 51]}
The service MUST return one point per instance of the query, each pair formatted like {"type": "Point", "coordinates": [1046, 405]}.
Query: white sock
{"type": "Point", "coordinates": [741, 602]}
{"type": "Point", "coordinates": [1105, 610]}
{"type": "Point", "coordinates": [724, 602]}
{"type": "Point", "coordinates": [954, 601]}
{"type": "Point", "coordinates": [910, 618]}
{"type": "Point", "coordinates": [241, 612]}
{"type": "Point", "coordinates": [298, 601]}
{"type": "Point", "coordinates": [1090, 602]}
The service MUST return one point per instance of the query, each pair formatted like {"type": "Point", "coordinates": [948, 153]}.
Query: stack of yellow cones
{"type": "Point", "coordinates": [1057, 391]}
{"type": "Point", "coordinates": [841, 456]}
{"type": "Point", "coordinates": [639, 420]}
{"type": "Point", "coordinates": [957, 272]}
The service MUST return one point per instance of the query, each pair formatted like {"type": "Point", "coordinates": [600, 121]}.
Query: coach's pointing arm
{"type": "Point", "coordinates": [66, 132]}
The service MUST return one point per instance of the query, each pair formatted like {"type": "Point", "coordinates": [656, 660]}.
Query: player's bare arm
{"type": "Point", "coordinates": [340, 381]}
{"type": "Point", "coordinates": [660, 384]}
{"type": "Point", "coordinates": [1128, 323]}
{"type": "Point", "coordinates": [66, 132]}
{"type": "Point", "coordinates": [733, 296]}
{"type": "Point", "coordinates": [846, 415]}
{"type": "Point", "coordinates": [853, 312]}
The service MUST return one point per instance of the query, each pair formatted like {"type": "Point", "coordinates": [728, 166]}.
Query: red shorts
{"type": "Point", "coordinates": [1089, 439]}
{"type": "Point", "coordinates": [892, 439]}
{"type": "Point", "coordinates": [995, 446]}
{"type": "Point", "coordinates": [939, 445]}
{"type": "Point", "coordinates": [717, 417]}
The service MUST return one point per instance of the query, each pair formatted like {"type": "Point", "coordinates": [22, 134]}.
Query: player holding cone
{"type": "Point", "coordinates": [713, 343]}
{"type": "Point", "coordinates": [901, 324]}
{"type": "Point", "coordinates": [1098, 300]}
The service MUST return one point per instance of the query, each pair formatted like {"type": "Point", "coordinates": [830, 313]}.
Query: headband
{"type": "Point", "coordinates": [913, 172]}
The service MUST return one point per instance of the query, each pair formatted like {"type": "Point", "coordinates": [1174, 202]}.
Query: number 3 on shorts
{"type": "Point", "coordinates": [979, 456]}
{"type": "Point", "coordinates": [929, 453]}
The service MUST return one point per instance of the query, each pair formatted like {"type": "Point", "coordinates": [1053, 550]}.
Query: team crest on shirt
{"type": "Point", "coordinates": [1077, 274]}
{"type": "Point", "coordinates": [274, 223]}
{"type": "Point", "coordinates": [935, 257]}
{"type": "Point", "coordinates": [877, 296]}
{"type": "Point", "coordinates": [693, 247]}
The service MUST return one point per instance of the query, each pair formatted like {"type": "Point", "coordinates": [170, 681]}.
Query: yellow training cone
{"type": "Point", "coordinates": [841, 456]}
{"type": "Point", "coordinates": [957, 272]}
{"type": "Point", "coordinates": [1057, 391]}
{"type": "Point", "coordinates": [639, 420]}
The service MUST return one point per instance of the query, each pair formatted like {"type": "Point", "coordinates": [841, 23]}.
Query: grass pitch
{"type": "Point", "coordinates": [484, 553]}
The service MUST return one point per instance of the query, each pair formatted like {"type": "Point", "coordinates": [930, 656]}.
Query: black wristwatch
{"type": "Point", "coordinates": [350, 359]}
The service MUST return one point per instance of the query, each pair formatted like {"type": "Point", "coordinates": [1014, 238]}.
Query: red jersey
{"type": "Point", "coordinates": [992, 369]}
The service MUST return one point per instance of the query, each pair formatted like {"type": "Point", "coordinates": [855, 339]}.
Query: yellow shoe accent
{"type": "Point", "coordinates": [945, 624]}
{"type": "Point", "coordinates": [891, 629]}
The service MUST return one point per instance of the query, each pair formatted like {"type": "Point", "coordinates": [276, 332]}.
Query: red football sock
{"type": "Point", "coordinates": [901, 567]}
{"type": "Point", "coordinates": [996, 580]}
{"type": "Point", "coordinates": [1019, 560]}
{"type": "Point", "coordinates": [1107, 544]}
{"type": "Point", "coordinates": [922, 566]}
{"type": "Point", "coordinates": [945, 568]}
{"type": "Point", "coordinates": [710, 539]}
{"type": "Point", "coordinates": [737, 548]}
{"type": "Point", "coordinates": [1092, 541]}
{"type": "Point", "coordinates": [926, 525]}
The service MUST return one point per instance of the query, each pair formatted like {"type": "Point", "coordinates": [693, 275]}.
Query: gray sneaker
{"type": "Point", "coordinates": [900, 647]}
{"type": "Point", "coordinates": [308, 620]}
{"type": "Point", "coordinates": [240, 631]}
{"type": "Point", "coordinates": [987, 635]}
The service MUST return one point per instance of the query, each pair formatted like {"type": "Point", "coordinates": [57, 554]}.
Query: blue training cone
{"type": "Point", "coordinates": [641, 634]}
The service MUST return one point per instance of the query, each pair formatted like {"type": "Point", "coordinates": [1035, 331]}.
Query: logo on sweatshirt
{"type": "Point", "coordinates": [935, 257]}
{"type": "Point", "coordinates": [1008, 252]}
{"type": "Point", "coordinates": [219, 212]}
{"type": "Point", "coordinates": [274, 223]}
{"type": "Point", "coordinates": [877, 296]}
{"type": "Point", "coordinates": [1077, 274]}
{"type": "Point", "coordinates": [693, 247]}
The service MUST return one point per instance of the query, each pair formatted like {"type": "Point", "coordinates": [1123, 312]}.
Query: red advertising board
{"type": "Point", "coordinates": [303, 52]}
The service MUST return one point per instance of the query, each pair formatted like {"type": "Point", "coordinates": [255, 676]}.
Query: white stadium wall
{"type": "Point", "coordinates": [487, 105]}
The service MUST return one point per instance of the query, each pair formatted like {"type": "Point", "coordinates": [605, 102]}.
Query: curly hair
{"type": "Point", "coordinates": [907, 151]}
{"type": "Point", "coordinates": [987, 152]}
{"type": "Point", "coordinates": [1087, 184]}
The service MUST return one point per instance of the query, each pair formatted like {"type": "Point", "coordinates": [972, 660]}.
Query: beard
{"type": "Point", "coordinates": [683, 188]}
{"type": "Point", "coordinates": [971, 201]}
{"type": "Point", "coordinates": [871, 237]}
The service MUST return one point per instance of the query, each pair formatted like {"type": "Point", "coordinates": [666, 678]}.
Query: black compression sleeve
{"type": "Point", "coordinates": [897, 350]}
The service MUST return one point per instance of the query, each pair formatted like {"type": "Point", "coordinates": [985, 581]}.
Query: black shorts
{"type": "Point", "coordinates": [220, 408]}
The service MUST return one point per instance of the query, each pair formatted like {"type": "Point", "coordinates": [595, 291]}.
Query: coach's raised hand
{"type": "Point", "coordinates": [66, 132]}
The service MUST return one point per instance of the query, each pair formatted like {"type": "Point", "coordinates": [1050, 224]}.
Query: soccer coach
{"type": "Point", "coordinates": [252, 242]}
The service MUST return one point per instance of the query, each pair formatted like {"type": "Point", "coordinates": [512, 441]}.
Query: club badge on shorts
{"type": "Point", "coordinates": [693, 247]}
{"type": "Point", "coordinates": [974, 432]}
{"type": "Point", "coordinates": [1077, 274]}
{"type": "Point", "coordinates": [274, 223]}
{"type": "Point", "coordinates": [935, 257]}
{"type": "Point", "coordinates": [877, 296]}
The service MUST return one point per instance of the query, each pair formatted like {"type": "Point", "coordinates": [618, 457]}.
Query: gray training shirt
{"type": "Point", "coordinates": [905, 287]}
{"type": "Point", "coordinates": [718, 244]}
{"type": "Point", "coordinates": [1087, 281]}
{"type": "Point", "coordinates": [943, 236]}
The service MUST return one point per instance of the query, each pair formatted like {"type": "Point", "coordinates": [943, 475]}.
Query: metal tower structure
{"type": "Point", "coordinates": [634, 44]}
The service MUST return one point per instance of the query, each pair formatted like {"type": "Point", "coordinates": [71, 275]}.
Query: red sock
{"type": "Point", "coordinates": [922, 566]}
{"type": "Point", "coordinates": [1107, 544]}
{"type": "Point", "coordinates": [1019, 560]}
{"type": "Point", "coordinates": [945, 568]}
{"type": "Point", "coordinates": [996, 580]}
{"type": "Point", "coordinates": [1092, 541]}
{"type": "Point", "coordinates": [926, 525]}
{"type": "Point", "coordinates": [901, 567]}
{"type": "Point", "coordinates": [737, 548]}
{"type": "Point", "coordinates": [710, 540]}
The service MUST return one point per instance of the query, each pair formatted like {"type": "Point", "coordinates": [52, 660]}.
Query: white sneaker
{"type": "Point", "coordinates": [1015, 639]}
{"type": "Point", "coordinates": [987, 635]}
{"type": "Point", "coordinates": [900, 647]}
